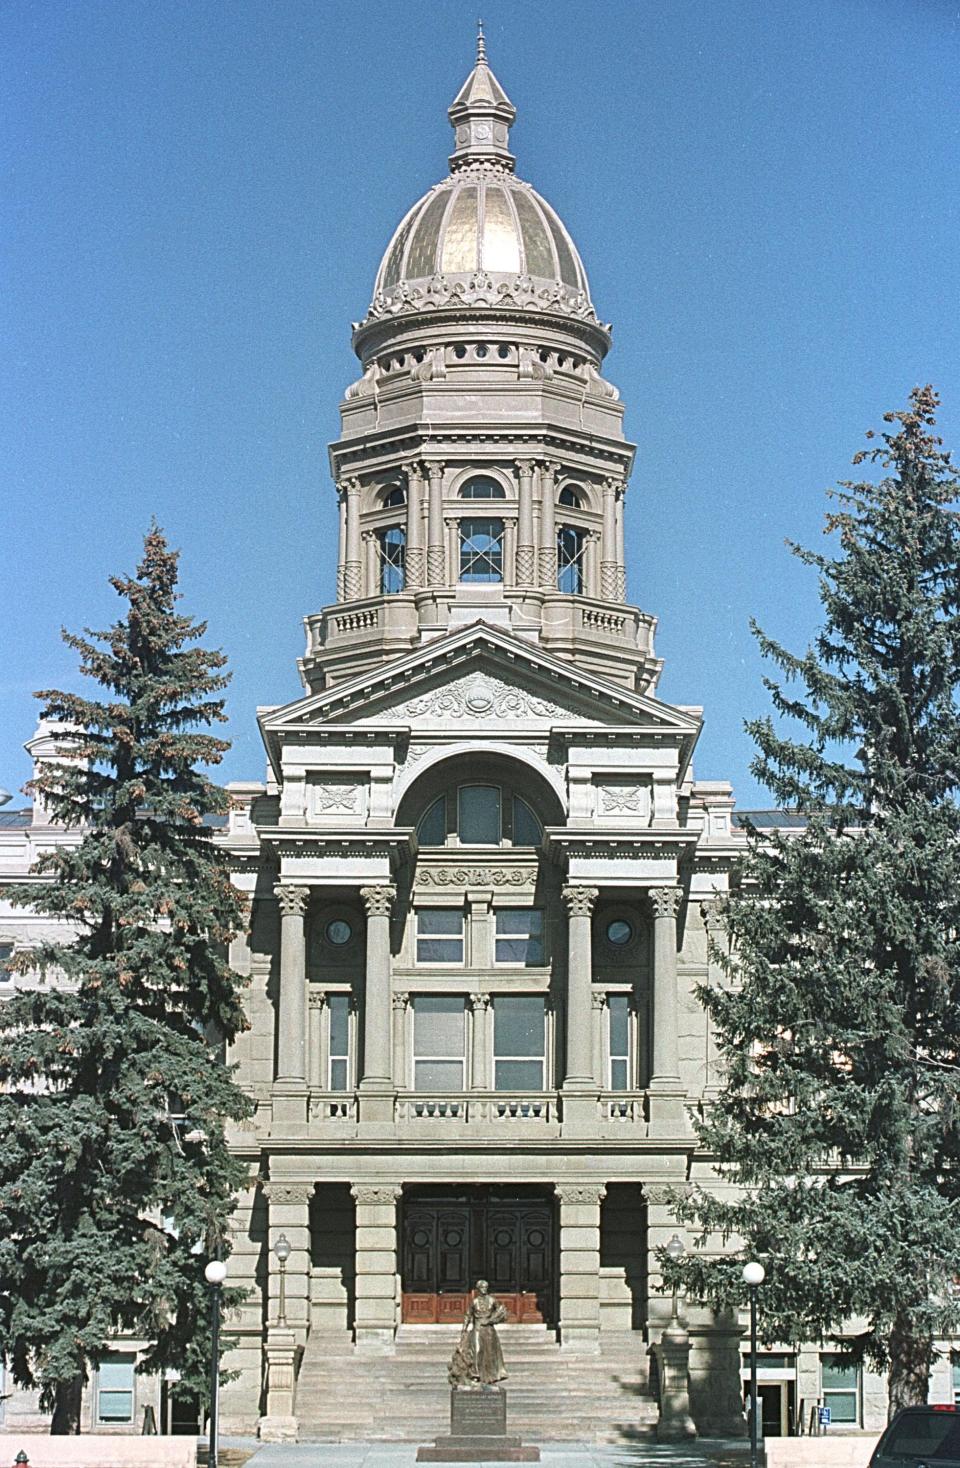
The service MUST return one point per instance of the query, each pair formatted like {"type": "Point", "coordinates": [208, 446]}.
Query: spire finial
{"type": "Point", "coordinates": [481, 114]}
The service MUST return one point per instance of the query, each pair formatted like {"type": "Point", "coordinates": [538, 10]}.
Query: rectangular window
{"type": "Point", "coordinates": [339, 1077]}
{"type": "Point", "coordinates": [519, 936]}
{"type": "Point", "coordinates": [439, 1039]}
{"type": "Point", "coordinates": [618, 1011]}
{"type": "Point", "coordinates": [840, 1385]}
{"type": "Point", "coordinates": [393, 548]}
{"type": "Point", "coordinates": [439, 935]}
{"type": "Point", "coordinates": [481, 550]}
{"type": "Point", "coordinates": [115, 1388]}
{"type": "Point", "coordinates": [519, 1042]}
{"type": "Point", "coordinates": [478, 815]}
{"type": "Point", "coordinates": [570, 544]}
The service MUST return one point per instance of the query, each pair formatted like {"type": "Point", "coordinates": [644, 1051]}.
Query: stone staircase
{"type": "Point", "coordinates": [551, 1396]}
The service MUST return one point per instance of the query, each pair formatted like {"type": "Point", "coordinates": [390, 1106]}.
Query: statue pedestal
{"type": "Point", "coordinates": [478, 1431]}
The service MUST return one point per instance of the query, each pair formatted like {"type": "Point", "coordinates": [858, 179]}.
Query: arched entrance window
{"type": "Point", "coordinates": [393, 545]}
{"type": "Point", "coordinates": [397, 495]}
{"type": "Point", "coordinates": [570, 547]}
{"type": "Point", "coordinates": [481, 550]}
{"type": "Point", "coordinates": [479, 815]}
{"type": "Point", "coordinates": [569, 496]}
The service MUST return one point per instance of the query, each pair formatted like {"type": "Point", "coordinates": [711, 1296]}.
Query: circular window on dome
{"type": "Point", "coordinates": [619, 932]}
{"type": "Point", "coordinates": [338, 932]}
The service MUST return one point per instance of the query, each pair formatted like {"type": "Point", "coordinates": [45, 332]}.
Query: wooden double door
{"type": "Point", "coordinates": [452, 1240]}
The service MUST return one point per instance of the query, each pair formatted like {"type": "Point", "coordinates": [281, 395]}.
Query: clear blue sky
{"type": "Point", "coordinates": [198, 194]}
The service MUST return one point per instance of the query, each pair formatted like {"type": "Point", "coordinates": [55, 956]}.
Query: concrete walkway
{"type": "Point", "coordinates": [701, 1454]}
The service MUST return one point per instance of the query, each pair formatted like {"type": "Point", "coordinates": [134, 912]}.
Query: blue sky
{"type": "Point", "coordinates": [198, 195]}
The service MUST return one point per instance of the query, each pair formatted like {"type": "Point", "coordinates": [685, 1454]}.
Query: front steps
{"type": "Point", "coordinates": [551, 1396]}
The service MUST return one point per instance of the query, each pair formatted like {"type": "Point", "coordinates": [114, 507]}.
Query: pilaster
{"type": "Point", "coordinates": [580, 1266]}
{"type": "Point", "coordinates": [480, 1067]}
{"type": "Point", "coordinates": [547, 561]}
{"type": "Point", "coordinates": [376, 1301]}
{"type": "Point", "coordinates": [579, 1085]}
{"type": "Point", "coordinates": [414, 559]}
{"type": "Point", "coordinates": [290, 1087]}
{"type": "Point", "coordinates": [435, 552]}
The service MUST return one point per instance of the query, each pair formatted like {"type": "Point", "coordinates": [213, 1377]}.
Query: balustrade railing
{"type": "Point", "coordinates": [487, 1109]}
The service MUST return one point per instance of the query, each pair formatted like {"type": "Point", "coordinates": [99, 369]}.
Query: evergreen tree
{"type": "Point", "coordinates": [839, 1019]}
{"type": "Point", "coordinates": [109, 1205]}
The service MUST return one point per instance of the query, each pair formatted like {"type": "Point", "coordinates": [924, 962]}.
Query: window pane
{"type": "Point", "coordinates": [338, 1075]}
{"type": "Point", "coordinates": [527, 830]}
{"type": "Point", "coordinates": [432, 830]}
{"type": "Point", "coordinates": [518, 1075]}
{"type": "Point", "coordinates": [843, 1406]}
{"type": "Point", "coordinates": [481, 550]}
{"type": "Point", "coordinates": [438, 1075]}
{"type": "Point", "coordinates": [518, 1025]}
{"type": "Point", "coordinates": [438, 1025]}
{"type": "Point", "coordinates": [116, 1375]}
{"type": "Point", "coordinates": [392, 554]}
{"type": "Point", "coordinates": [116, 1406]}
{"type": "Point", "coordinates": [618, 1075]}
{"type": "Point", "coordinates": [440, 920]}
{"type": "Point", "coordinates": [618, 1006]}
{"type": "Point", "coordinates": [339, 1023]}
{"type": "Point", "coordinates": [838, 1373]}
{"type": "Point", "coordinates": [478, 820]}
{"type": "Point", "coordinates": [482, 488]}
{"type": "Point", "coordinates": [439, 950]}
{"type": "Point", "coordinates": [570, 545]}
{"type": "Point", "coordinates": [519, 936]}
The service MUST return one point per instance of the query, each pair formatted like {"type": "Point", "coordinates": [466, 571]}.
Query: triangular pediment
{"type": "Point", "coordinates": [484, 678]}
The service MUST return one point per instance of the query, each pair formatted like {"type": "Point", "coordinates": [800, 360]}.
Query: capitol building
{"type": "Point", "coordinates": [483, 879]}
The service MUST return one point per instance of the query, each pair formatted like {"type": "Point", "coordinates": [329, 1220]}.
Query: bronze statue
{"type": "Point", "coordinates": [478, 1356]}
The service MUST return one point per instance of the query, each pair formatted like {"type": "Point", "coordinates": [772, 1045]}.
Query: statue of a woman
{"type": "Point", "coordinates": [478, 1356]}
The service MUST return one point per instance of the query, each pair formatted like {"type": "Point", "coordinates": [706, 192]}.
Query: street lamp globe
{"type": "Point", "coordinates": [215, 1272]}
{"type": "Point", "coordinates": [754, 1273]}
{"type": "Point", "coordinates": [282, 1249]}
{"type": "Point", "coordinates": [676, 1248]}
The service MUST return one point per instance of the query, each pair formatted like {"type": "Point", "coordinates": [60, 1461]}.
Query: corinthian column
{"type": "Point", "coordinates": [621, 585]}
{"type": "Point", "coordinates": [608, 542]}
{"type": "Point", "coordinates": [342, 541]}
{"type": "Point", "coordinates": [435, 554]}
{"type": "Point", "coordinates": [292, 1015]}
{"type": "Point", "coordinates": [352, 570]}
{"type": "Point", "coordinates": [580, 903]}
{"type": "Point", "coordinates": [526, 548]}
{"type": "Point", "coordinates": [666, 1104]}
{"type": "Point", "coordinates": [548, 527]}
{"type": "Point", "coordinates": [377, 1011]}
{"type": "Point", "coordinates": [413, 555]}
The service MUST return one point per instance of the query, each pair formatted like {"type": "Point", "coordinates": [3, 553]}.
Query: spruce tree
{"type": "Point", "coordinates": [109, 1204]}
{"type": "Point", "coordinates": [838, 1020]}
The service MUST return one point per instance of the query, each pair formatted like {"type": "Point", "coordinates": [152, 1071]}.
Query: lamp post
{"type": "Point", "coordinates": [215, 1273]}
{"type": "Point", "coordinates": [675, 1251]}
{"type": "Point", "coordinates": [753, 1277]}
{"type": "Point", "coordinates": [281, 1250]}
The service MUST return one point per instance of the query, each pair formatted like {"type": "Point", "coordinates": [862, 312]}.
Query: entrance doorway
{"type": "Point", "coordinates": [454, 1236]}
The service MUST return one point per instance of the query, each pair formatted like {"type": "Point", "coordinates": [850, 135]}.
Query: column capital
{"type": "Point", "coordinates": [416, 469]}
{"type": "Point", "coordinates": [435, 469]}
{"type": "Point", "coordinates": [288, 1192]}
{"type": "Point", "coordinates": [376, 1193]}
{"type": "Point", "coordinates": [316, 998]}
{"type": "Point", "coordinates": [580, 1192]}
{"type": "Point", "coordinates": [378, 901]}
{"type": "Point", "coordinates": [479, 1001]}
{"type": "Point", "coordinates": [400, 999]}
{"type": "Point", "coordinates": [712, 920]}
{"type": "Point", "coordinates": [580, 901]}
{"type": "Point", "coordinates": [293, 900]}
{"type": "Point", "coordinates": [548, 467]}
{"type": "Point", "coordinates": [664, 901]}
{"type": "Point", "coordinates": [598, 999]}
{"type": "Point", "coordinates": [350, 486]}
{"type": "Point", "coordinates": [613, 485]}
{"type": "Point", "coordinates": [525, 467]}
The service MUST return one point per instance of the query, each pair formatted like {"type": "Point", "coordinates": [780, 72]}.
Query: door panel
{"type": "Point", "coordinates": [446, 1248]}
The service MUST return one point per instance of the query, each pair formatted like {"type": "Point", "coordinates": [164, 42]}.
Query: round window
{"type": "Point", "coordinates": [619, 932]}
{"type": "Point", "coordinates": [339, 932]}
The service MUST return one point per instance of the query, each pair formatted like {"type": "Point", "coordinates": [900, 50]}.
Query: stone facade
{"type": "Point", "coordinates": [482, 874]}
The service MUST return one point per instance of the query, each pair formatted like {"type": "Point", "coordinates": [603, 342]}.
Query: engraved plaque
{"type": "Point", "coordinates": [476, 1413]}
